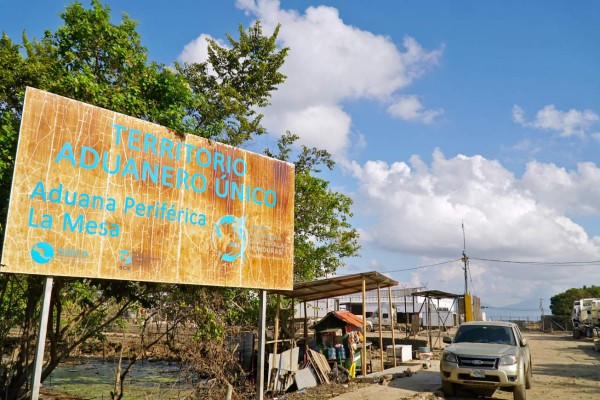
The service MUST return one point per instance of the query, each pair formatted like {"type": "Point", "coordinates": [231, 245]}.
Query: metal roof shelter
{"type": "Point", "coordinates": [435, 294]}
{"type": "Point", "coordinates": [337, 286]}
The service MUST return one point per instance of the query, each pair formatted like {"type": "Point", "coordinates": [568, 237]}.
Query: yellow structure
{"type": "Point", "coordinates": [468, 308]}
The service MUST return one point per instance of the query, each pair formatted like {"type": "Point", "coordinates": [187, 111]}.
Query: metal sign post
{"type": "Point", "coordinates": [41, 343]}
{"type": "Point", "coordinates": [260, 365]}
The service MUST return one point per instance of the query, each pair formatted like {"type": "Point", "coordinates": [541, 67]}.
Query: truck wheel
{"type": "Point", "coordinates": [519, 393]}
{"type": "Point", "coordinates": [529, 378]}
{"type": "Point", "coordinates": [576, 333]}
{"type": "Point", "coordinates": [589, 332]}
{"type": "Point", "coordinates": [448, 388]}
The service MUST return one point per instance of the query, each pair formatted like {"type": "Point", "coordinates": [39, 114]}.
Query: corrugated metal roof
{"type": "Point", "coordinates": [338, 286]}
{"type": "Point", "coordinates": [437, 294]}
{"type": "Point", "coordinates": [349, 318]}
{"type": "Point", "coordinates": [345, 316]}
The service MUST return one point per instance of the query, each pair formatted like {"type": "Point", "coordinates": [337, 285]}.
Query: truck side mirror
{"type": "Point", "coordinates": [523, 342]}
{"type": "Point", "coordinates": [447, 339]}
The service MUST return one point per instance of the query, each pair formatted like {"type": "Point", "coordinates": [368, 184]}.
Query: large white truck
{"type": "Point", "coordinates": [586, 317]}
{"type": "Point", "coordinates": [387, 318]}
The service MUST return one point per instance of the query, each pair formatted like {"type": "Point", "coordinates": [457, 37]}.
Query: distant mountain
{"type": "Point", "coordinates": [526, 309]}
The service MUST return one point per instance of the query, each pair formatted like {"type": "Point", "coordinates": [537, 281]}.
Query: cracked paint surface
{"type": "Point", "coordinates": [100, 194]}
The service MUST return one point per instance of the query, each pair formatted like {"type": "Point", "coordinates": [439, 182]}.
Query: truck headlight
{"type": "Point", "coordinates": [449, 357]}
{"type": "Point", "coordinates": [508, 360]}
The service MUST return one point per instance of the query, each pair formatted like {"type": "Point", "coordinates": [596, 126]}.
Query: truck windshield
{"type": "Point", "coordinates": [485, 334]}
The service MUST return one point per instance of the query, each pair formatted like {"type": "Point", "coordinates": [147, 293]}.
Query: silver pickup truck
{"type": "Point", "coordinates": [485, 356]}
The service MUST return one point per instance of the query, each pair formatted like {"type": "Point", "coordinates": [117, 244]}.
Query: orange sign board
{"type": "Point", "coordinates": [100, 194]}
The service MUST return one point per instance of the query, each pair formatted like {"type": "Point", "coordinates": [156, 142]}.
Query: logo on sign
{"type": "Point", "coordinates": [230, 238]}
{"type": "Point", "coordinates": [42, 252]}
{"type": "Point", "coordinates": [125, 257]}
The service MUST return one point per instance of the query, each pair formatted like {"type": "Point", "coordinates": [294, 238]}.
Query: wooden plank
{"type": "Point", "coordinates": [313, 364]}
{"type": "Point", "coordinates": [321, 365]}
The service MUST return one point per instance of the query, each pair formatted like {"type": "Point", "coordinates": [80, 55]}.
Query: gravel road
{"type": "Point", "coordinates": [563, 368]}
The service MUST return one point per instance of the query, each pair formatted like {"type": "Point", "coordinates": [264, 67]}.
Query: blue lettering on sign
{"type": "Point", "coordinates": [44, 222]}
{"type": "Point", "coordinates": [59, 195]}
{"type": "Point", "coordinates": [227, 168]}
{"type": "Point", "coordinates": [71, 252]}
{"type": "Point", "coordinates": [80, 225]}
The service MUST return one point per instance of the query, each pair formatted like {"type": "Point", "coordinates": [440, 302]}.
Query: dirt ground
{"type": "Point", "coordinates": [564, 368]}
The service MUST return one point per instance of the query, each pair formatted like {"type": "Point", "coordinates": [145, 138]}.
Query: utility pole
{"type": "Point", "coordinates": [465, 261]}
{"type": "Point", "coordinates": [542, 310]}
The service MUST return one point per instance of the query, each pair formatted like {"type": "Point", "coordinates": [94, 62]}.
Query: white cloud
{"type": "Point", "coordinates": [196, 50]}
{"type": "Point", "coordinates": [331, 62]}
{"type": "Point", "coordinates": [410, 108]}
{"type": "Point", "coordinates": [576, 192]}
{"type": "Point", "coordinates": [417, 209]}
{"type": "Point", "coordinates": [500, 209]}
{"type": "Point", "coordinates": [565, 123]}
{"type": "Point", "coordinates": [325, 126]}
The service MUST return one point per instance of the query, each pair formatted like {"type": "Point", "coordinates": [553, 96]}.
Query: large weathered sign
{"type": "Point", "coordinates": [100, 194]}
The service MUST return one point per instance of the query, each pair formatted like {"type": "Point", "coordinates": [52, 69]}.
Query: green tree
{"type": "Point", "coordinates": [323, 235]}
{"type": "Point", "coordinates": [562, 303]}
{"type": "Point", "coordinates": [232, 84]}
{"type": "Point", "coordinates": [93, 60]}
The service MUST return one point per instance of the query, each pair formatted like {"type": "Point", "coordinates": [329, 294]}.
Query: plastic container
{"type": "Point", "coordinates": [331, 353]}
{"type": "Point", "coordinates": [341, 352]}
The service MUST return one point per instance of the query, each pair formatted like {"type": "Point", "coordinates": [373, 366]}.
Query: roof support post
{"type": "Point", "coordinates": [363, 351]}
{"type": "Point", "coordinates": [429, 323]}
{"type": "Point", "coordinates": [305, 332]}
{"type": "Point", "coordinates": [392, 322]}
{"type": "Point", "coordinates": [380, 325]}
{"type": "Point", "coordinates": [274, 368]}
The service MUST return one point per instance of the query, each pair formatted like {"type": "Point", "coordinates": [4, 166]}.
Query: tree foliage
{"type": "Point", "coordinates": [91, 59]}
{"type": "Point", "coordinates": [562, 303]}
{"type": "Point", "coordinates": [232, 84]}
{"type": "Point", "coordinates": [323, 235]}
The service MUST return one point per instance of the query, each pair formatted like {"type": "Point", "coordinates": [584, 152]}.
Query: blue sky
{"type": "Point", "coordinates": [438, 113]}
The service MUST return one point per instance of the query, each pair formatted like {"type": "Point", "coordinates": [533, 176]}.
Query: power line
{"type": "Point", "coordinates": [411, 269]}
{"type": "Point", "coordinates": [510, 308]}
{"type": "Point", "coordinates": [472, 285]}
{"type": "Point", "coordinates": [554, 263]}
{"type": "Point", "coordinates": [422, 266]}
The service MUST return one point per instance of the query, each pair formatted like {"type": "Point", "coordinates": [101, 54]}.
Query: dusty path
{"type": "Point", "coordinates": [564, 368]}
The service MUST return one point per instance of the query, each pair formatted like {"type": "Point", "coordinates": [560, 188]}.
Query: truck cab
{"type": "Point", "coordinates": [387, 319]}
